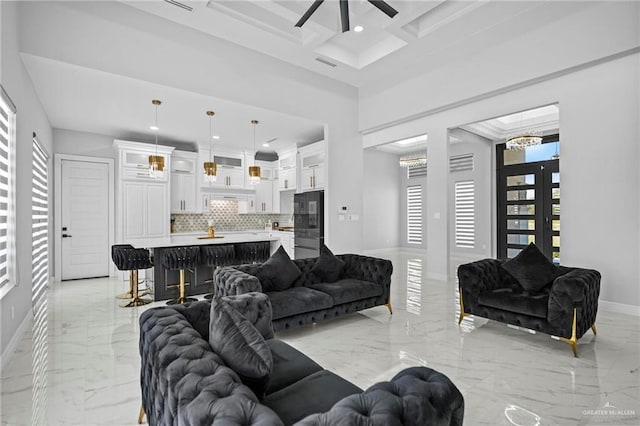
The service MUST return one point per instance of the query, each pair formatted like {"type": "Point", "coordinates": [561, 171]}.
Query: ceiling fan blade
{"type": "Point", "coordinates": [344, 15]}
{"type": "Point", "coordinates": [384, 7]}
{"type": "Point", "coordinates": [316, 4]}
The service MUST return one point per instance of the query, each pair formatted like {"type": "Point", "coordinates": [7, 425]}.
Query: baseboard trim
{"type": "Point", "coordinates": [380, 250]}
{"type": "Point", "coordinates": [8, 352]}
{"type": "Point", "coordinates": [620, 308]}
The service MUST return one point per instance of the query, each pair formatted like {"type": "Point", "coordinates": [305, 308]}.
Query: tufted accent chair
{"type": "Point", "coordinates": [294, 307]}
{"type": "Point", "coordinates": [566, 307]}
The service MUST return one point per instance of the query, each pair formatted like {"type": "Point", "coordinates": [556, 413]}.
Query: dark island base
{"type": "Point", "coordinates": [199, 279]}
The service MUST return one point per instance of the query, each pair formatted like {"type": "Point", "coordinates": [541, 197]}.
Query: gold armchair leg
{"type": "Point", "coordinates": [462, 314]}
{"type": "Point", "coordinates": [593, 328]}
{"type": "Point", "coordinates": [573, 341]}
{"type": "Point", "coordinates": [141, 415]}
{"type": "Point", "coordinates": [388, 305]}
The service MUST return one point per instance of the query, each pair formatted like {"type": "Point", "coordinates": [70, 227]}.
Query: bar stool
{"type": "Point", "coordinates": [127, 258]}
{"type": "Point", "coordinates": [254, 252]}
{"type": "Point", "coordinates": [179, 259]}
{"type": "Point", "coordinates": [215, 257]}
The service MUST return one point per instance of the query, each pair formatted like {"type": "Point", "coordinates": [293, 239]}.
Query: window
{"type": "Point", "coordinates": [7, 193]}
{"type": "Point", "coordinates": [461, 163]}
{"type": "Point", "coordinates": [414, 214]}
{"type": "Point", "coordinates": [416, 171]}
{"type": "Point", "coordinates": [39, 222]}
{"type": "Point", "coordinates": [465, 214]}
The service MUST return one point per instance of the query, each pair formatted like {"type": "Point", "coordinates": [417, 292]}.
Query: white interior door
{"type": "Point", "coordinates": [85, 219]}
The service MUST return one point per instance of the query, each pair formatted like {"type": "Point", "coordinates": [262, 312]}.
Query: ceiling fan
{"type": "Point", "coordinates": [344, 11]}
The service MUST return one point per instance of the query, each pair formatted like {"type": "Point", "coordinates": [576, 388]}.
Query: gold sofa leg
{"type": "Point", "coordinates": [141, 415]}
{"type": "Point", "coordinates": [593, 328]}
{"type": "Point", "coordinates": [573, 341]}
{"type": "Point", "coordinates": [462, 314]}
{"type": "Point", "coordinates": [388, 305]}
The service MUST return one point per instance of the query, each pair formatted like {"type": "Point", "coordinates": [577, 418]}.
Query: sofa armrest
{"type": "Point", "coordinates": [228, 281]}
{"type": "Point", "coordinates": [578, 288]}
{"type": "Point", "coordinates": [184, 382]}
{"type": "Point", "coordinates": [417, 396]}
{"type": "Point", "coordinates": [479, 276]}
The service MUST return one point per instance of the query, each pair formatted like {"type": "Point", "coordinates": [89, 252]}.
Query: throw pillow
{"type": "Point", "coordinates": [328, 267]}
{"type": "Point", "coordinates": [240, 345]}
{"type": "Point", "coordinates": [531, 268]}
{"type": "Point", "coordinates": [278, 273]}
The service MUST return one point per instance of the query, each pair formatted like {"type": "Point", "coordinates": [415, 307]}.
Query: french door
{"type": "Point", "coordinates": [528, 197]}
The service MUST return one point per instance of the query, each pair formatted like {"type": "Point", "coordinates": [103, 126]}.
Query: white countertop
{"type": "Point", "coordinates": [191, 239]}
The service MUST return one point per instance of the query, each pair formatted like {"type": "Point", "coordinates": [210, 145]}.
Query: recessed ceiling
{"type": "Point", "coordinates": [545, 119]}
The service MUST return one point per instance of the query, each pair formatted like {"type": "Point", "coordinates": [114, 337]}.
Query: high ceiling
{"type": "Point", "coordinates": [81, 92]}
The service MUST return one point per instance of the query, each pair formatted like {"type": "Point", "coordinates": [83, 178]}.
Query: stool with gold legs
{"type": "Point", "coordinates": [180, 259]}
{"type": "Point", "coordinates": [127, 258]}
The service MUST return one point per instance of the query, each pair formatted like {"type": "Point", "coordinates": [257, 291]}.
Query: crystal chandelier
{"type": "Point", "coordinates": [414, 160]}
{"type": "Point", "coordinates": [156, 162]}
{"type": "Point", "coordinates": [254, 171]}
{"type": "Point", "coordinates": [523, 140]}
{"type": "Point", "coordinates": [210, 167]}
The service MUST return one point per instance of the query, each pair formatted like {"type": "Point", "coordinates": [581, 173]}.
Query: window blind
{"type": "Point", "coordinates": [414, 214]}
{"type": "Point", "coordinates": [465, 214]}
{"type": "Point", "coordinates": [39, 222]}
{"type": "Point", "coordinates": [416, 171]}
{"type": "Point", "coordinates": [461, 163]}
{"type": "Point", "coordinates": [7, 196]}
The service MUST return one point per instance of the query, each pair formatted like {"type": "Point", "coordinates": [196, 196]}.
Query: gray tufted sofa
{"type": "Point", "coordinates": [364, 283]}
{"type": "Point", "coordinates": [184, 382]}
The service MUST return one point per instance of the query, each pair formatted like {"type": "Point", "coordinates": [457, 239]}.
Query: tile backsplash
{"type": "Point", "coordinates": [226, 218]}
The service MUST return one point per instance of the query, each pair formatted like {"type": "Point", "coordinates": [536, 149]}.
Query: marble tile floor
{"type": "Point", "coordinates": [85, 372]}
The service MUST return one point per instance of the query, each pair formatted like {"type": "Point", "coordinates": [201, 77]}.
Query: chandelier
{"type": "Point", "coordinates": [524, 140]}
{"type": "Point", "coordinates": [414, 160]}
{"type": "Point", "coordinates": [210, 167]}
{"type": "Point", "coordinates": [254, 171]}
{"type": "Point", "coordinates": [156, 162]}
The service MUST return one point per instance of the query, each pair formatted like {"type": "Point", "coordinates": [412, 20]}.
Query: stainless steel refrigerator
{"type": "Point", "coordinates": [308, 219]}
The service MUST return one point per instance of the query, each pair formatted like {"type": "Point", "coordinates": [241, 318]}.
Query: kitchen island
{"type": "Point", "coordinates": [248, 247]}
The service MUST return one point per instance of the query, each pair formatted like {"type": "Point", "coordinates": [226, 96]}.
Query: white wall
{"type": "Point", "coordinates": [30, 118]}
{"type": "Point", "coordinates": [83, 143]}
{"type": "Point", "coordinates": [599, 157]}
{"type": "Point", "coordinates": [482, 176]}
{"type": "Point", "coordinates": [381, 200]}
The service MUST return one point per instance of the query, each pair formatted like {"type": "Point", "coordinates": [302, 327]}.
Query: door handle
{"type": "Point", "coordinates": [66, 236]}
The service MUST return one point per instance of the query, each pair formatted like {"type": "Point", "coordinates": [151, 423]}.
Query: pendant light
{"type": "Point", "coordinates": [254, 171]}
{"type": "Point", "coordinates": [156, 162]}
{"type": "Point", "coordinates": [524, 138]}
{"type": "Point", "coordinates": [210, 167]}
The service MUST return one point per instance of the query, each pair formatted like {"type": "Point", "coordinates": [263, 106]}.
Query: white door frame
{"type": "Point", "coordinates": [58, 158]}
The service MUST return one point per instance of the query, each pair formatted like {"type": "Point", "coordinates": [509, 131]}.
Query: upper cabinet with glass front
{"type": "Point", "coordinates": [312, 159]}
{"type": "Point", "coordinates": [230, 168]}
{"type": "Point", "coordinates": [133, 159]}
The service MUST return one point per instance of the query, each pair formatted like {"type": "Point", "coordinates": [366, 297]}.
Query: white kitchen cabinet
{"type": "Point", "coordinates": [264, 197]}
{"type": "Point", "coordinates": [146, 214]}
{"type": "Point", "coordinates": [313, 178]}
{"type": "Point", "coordinates": [183, 182]}
{"type": "Point", "coordinates": [312, 159]}
{"type": "Point", "coordinates": [183, 193]}
{"type": "Point", "coordinates": [287, 179]}
{"type": "Point", "coordinates": [142, 202]}
{"type": "Point", "coordinates": [231, 168]}
{"type": "Point", "coordinates": [287, 170]}
{"type": "Point", "coordinates": [247, 205]}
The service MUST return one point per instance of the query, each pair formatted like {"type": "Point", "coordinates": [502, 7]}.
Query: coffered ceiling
{"type": "Point", "coordinates": [422, 29]}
